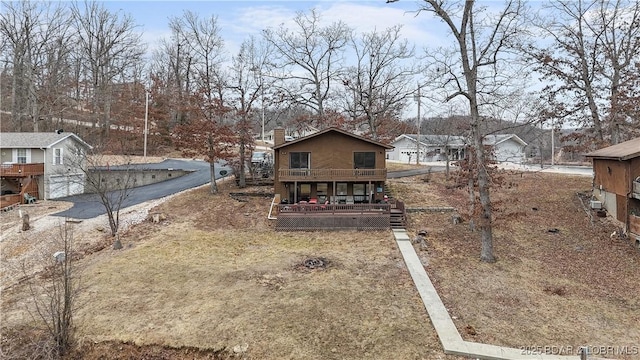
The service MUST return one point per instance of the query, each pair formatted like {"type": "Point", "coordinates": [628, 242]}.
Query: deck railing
{"type": "Point", "coordinates": [332, 174]}
{"type": "Point", "coordinates": [21, 169]}
{"type": "Point", "coordinates": [331, 209]}
{"type": "Point", "coordinates": [8, 200]}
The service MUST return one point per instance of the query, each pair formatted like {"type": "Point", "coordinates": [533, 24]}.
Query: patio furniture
{"type": "Point", "coordinates": [28, 199]}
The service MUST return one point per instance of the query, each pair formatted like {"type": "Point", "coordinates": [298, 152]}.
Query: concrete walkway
{"type": "Point", "coordinates": [451, 341]}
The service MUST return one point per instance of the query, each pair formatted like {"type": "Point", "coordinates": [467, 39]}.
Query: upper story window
{"type": "Point", "coordinates": [57, 156]}
{"type": "Point", "coordinates": [364, 160]}
{"type": "Point", "coordinates": [21, 156]}
{"type": "Point", "coordinates": [299, 160]}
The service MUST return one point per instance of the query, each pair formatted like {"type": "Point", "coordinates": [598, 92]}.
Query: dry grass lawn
{"type": "Point", "coordinates": [215, 275]}
{"type": "Point", "coordinates": [567, 289]}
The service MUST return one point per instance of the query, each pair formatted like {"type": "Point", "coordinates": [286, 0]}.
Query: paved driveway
{"type": "Point", "coordinates": [87, 206]}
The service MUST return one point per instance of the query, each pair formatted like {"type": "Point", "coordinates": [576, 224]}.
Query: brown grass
{"type": "Point", "coordinates": [570, 288]}
{"type": "Point", "coordinates": [214, 275]}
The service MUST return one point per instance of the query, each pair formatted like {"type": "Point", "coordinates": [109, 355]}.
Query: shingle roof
{"type": "Point", "coordinates": [623, 151]}
{"type": "Point", "coordinates": [439, 139]}
{"type": "Point", "coordinates": [496, 139]}
{"type": "Point", "coordinates": [334, 129]}
{"type": "Point", "coordinates": [24, 140]}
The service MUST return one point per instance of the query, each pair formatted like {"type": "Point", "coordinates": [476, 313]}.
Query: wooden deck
{"type": "Point", "coordinates": [21, 170]}
{"type": "Point", "coordinates": [325, 175]}
{"type": "Point", "coordinates": [310, 217]}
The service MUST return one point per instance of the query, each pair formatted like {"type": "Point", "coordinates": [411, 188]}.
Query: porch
{"type": "Point", "coordinates": [309, 217]}
{"type": "Point", "coordinates": [329, 175]}
{"type": "Point", "coordinates": [18, 180]}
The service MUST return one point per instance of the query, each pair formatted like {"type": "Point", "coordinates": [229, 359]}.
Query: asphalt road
{"type": "Point", "coordinates": [87, 206]}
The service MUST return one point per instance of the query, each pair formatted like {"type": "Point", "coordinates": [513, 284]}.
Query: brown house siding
{"type": "Point", "coordinates": [330, 150]}
{"type": "Point", "coordinates": [615, 176]}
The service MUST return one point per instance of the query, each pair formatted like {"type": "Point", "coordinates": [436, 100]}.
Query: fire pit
{"type": "Point", "coordinates": [314, 263]}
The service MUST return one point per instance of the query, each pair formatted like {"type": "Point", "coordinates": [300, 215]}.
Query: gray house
{"type": "Point", "coordinates": [46, 165]}
{"type": "Point", "coordinates": [505, 147]}
{"type": "Point", "coordinates": [432, 148]}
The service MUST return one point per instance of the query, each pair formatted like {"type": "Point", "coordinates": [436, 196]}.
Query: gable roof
{"type": "Point", "coordinates": [332, 129]}
{"type": "Point", "coordinates": [495, 139]}
{"type": "Point", "coordinates": [435, 139]}
{"type": "Point", "coordinates": [491, 140]}
{"type": "Point", "coordinates": [39, 140]}
{"type": "Point", "coordinates": [623, 151]}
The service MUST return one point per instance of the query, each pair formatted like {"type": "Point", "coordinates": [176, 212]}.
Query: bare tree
{"type": "Point", "coordinates": [379, 83]}
{"type": "Point", "coordinates": [245, 90]}
{"type": "Point", "coordinates": [206, 133]}
{"type": "Point", "coordinates": [55, 300]}
{"type": "Point", "coordinates": [590, 62]}
{"type": "Point", "coordinates": [108, 47]}
{"type": "Point", "coordinates": [481, 39]}
{"type": "Point", "coordinates": [311, 56]}
{"type": "Point", "coordinates": [38, 42]}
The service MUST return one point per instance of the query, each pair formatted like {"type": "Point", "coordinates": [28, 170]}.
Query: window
{"type": "Point", "coordinates": [364, 160]}
{"type": "Point", "coordinates": [21, 157]}
{"type": "Point", "coordinates": [299, 160]}
{"type": "Point", "coordinates": [57, 156]}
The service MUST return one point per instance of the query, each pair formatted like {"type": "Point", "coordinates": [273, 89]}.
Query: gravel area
{"type": "Point", "coordinates": [24, 253]}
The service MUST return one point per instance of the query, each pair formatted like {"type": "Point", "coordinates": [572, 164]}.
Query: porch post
{"type": "Point", "coordinates": [334, 192]}
{"type": "Point", "coordinates": [295, 191]}
{"type": "Point", "coordinates": [371, 192]}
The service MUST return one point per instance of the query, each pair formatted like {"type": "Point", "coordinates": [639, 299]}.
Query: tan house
{"type": "Point", "coordinates": [330, 176]}
{"type": "Point", "coordinates": [616, 183]}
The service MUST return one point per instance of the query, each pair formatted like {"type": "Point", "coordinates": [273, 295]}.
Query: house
{"type": "Point", "coordinates": [505, 148]}
{"type": "Point", "coordinates": [616, 183]}
{"type": "Point", "coordinates": [292, 132]}
{"type": "Point", "coordinates": [432, 148]}
{"type": "Point", "coordinates": [330, 179]}
{"type": "Point", "coordinates": [44, 165]}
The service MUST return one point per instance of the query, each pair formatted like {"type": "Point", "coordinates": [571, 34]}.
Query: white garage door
{"type": "Point", "coordinates": [65, 185]}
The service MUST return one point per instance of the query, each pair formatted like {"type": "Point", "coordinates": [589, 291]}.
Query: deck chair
{"type": "Point", "coordinates": [28, 199]}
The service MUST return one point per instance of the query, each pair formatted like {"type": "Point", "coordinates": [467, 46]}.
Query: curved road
{"type": "Point", "coordinates": [87, 206]}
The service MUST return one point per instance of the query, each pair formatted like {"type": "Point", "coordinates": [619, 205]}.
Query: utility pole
{"type": "Point", "coordinates": [262, 103]}
{"type": "Point", "coordinates": [553, 143]}
{"type": "Point", "coordinates": [146, 120]}
{"type": "Point", "coordinates": [417, 98]}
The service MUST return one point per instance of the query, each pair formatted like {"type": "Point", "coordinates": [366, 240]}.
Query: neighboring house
{"type": "Point", "coordinates": [291, 133]}
{"type": "Point", "coordinates": [616, 183]}
{"type": "Point", "coordinates": [45, 165]}
{"type": "Point", "coordinates": [505, 147]}
{"type": "Point", "coordinates": [335, 176]}
{"type": "Point", "coordinates": [432, 148]}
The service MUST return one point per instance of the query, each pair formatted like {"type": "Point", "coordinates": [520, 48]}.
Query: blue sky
{"type": "Point", "coordinates": [239, 19]}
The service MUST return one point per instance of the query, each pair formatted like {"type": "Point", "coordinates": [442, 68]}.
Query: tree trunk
{"type": "Point", "coordinates": [486, 232]}
{"type": "Point", "coordinates": [242, 182]}
{"type": "Point", "coordinates": [214, 186]}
